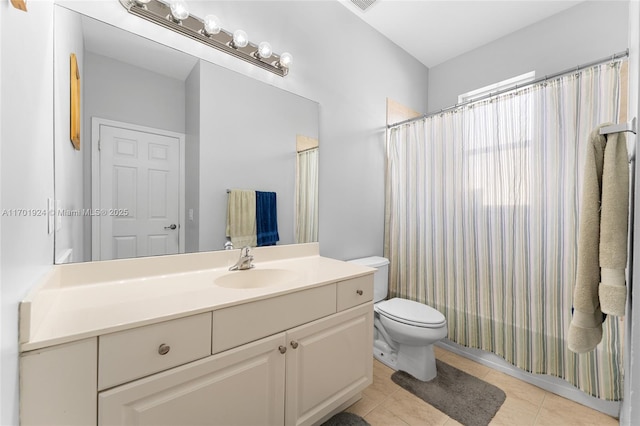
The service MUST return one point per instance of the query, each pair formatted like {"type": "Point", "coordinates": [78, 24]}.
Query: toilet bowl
{"type": "Point", "coordinates": [409, 329]}
{"type": "Point", "coordinates": [404, 330]}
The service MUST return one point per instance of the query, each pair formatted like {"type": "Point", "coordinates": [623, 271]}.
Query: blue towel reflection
{"type": "Point", "coordinates": [266, 218]}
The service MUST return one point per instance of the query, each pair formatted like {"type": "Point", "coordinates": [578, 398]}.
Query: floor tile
{"type": "Point", "coordinates": [516, 389]}
{"type": "Point", "coordinates": [386, 404]}
{"type": "Point", "coordinates": [413, 410]}
{"type": "Point", "coordinates": [383, 417]}
{"type": "Point", "coordinates": [364, 406]}
{"type": "Point", "coordinates": [440, 353]}
{"type": "Point", "coordinates": [515, 412]}
{"type": "Point", "coordinates": [466, 365]}
{"type": "Point", "coordinates": [559, 411]}
{"type": "Point", "coordinates": [381, 388]}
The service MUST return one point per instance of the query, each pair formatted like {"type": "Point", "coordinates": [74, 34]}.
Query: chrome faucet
{"type": "Point", "coordinates": [245, 260]}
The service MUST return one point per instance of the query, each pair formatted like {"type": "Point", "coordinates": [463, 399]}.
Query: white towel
{"type": "Point", "coordinates": [241, 217]}
{"type": "Point", "coordinates": [602, 237]}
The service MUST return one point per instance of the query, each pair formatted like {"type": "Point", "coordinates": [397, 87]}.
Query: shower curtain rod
{"type": "Point", "coordinates": [307, 149]}
{"type": "Point", "coordinates": [611, 58]}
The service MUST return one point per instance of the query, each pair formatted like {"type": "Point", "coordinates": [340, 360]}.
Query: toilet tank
{"type": "Point", "coordinates": [380, 277]}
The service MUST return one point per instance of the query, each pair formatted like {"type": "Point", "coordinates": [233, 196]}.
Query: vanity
{"type": "Point", "coordinates": [180, 340]}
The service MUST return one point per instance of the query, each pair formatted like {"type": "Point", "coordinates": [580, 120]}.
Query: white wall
{"type": "Point", "coordinates": [192, 160]}
{"type": "Point", "coordinates": [118, 91]}
{"type": "Point", "coordinates": [247, 140]}
{"type": "Point", "coordinates": [26, 134]}
{"type": "Point", "coordinates": [2, 12]}
{"type": "Point", "coordinates": [584, 33]}
{"type": "Point", "coordinates": [69, 188]}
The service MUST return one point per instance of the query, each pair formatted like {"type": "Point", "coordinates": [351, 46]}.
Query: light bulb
{"type": "Point", "coordinates": [211, 25]}
{"type": "Point", "coordinates": [179, 10]}
{"type": "Point", "coordinates": [285, 60]}
{"type": "Point", "coordinates": [240, 39]}
{"type": "Point", "coordinates": [264, 50]}
{"type": "Point", "coordinates": [141, 2]}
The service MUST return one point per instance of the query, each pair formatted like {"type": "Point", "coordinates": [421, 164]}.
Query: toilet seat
{"type": "Point", "coordinates": [411, 313]}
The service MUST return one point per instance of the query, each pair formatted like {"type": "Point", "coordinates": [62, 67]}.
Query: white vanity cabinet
{"type": "Point", "coordinates": [293, 378]}
{"type": "Point", "coordinates": [58, 384]}
{"type": "Point", "coordinates": [242, 386]}
{"type": "Point", "coordinates": [128, 355]}
{"type": "Point", "coordinates": [291, 357]}
{"type": "Point", "coordinates": [328, 362]}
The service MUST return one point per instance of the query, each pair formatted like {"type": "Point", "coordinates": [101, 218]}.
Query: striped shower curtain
{"type": "Point", "coordinates": [482, 222]}
{"type": "Point", "coordinates": [307, 196]}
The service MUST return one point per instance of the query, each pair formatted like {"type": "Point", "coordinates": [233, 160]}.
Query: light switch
{"type": "Point", "coordinates": [191, 215]}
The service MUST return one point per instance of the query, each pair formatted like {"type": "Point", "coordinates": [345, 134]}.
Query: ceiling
{"type": "Point", "coordinates": [434, 31]}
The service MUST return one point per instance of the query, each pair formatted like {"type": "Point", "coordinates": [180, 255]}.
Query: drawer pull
{"type": "Point", "coordinates": [294, 344]}
{"type": "Point", "coordinates": [360, 292]}
{"type": "Point", "coordinates": [164, 349]}
{"type": "Point", "coordinates": [282, 349]}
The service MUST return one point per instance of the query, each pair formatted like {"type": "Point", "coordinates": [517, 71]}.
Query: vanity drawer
{"type": "Point", "coordinates": [354, 292]}
{"type": "Point", "coordinates": [135, 353]}
{"type": "Point", "coordinates": [251, 321]}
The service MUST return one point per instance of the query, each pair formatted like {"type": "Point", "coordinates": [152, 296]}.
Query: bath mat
{"type": "Point", "coordinates": [346, 419]}
{"type": "Point", "coordinates": [461, 396]}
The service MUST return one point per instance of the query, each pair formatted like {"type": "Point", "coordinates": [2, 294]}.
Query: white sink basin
{"type": "Point", "coordinates": [256, 278]}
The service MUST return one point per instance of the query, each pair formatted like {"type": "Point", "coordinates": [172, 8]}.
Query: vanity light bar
{"type": "Point", "coordinates": [193, 27]}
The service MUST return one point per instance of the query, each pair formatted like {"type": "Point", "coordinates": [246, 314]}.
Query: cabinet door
{"type": "Point", "coordinates": [243, 386]}
{"type": "Point", "coordinates": [58, 385]}
{"type": "Point", "coordinates": [329, 361]}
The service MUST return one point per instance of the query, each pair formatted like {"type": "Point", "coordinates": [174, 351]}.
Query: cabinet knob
{"type": "Point", "coordinates": [294, 344]}
{"type": "Point", "coordinates": [360, 292]}
{"type": "Point", "coordinates": [164, 349]}
{"type": "Point", "coordinates": [282, 349]}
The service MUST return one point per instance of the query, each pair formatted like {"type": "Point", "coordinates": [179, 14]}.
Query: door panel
{"type": "Point", "coordinates": [139, 193]}
{"type": "Point", "coordinates": [125, 246]}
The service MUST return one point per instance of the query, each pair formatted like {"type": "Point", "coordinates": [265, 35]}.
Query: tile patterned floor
{"type": "Point", "coordinates": [386, 404]}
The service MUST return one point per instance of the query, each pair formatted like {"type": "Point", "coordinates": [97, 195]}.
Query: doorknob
{"type": "Point", "coordinates": [172, 226]}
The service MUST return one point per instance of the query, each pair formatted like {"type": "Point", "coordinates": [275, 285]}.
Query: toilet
{"type": "Point", "coordinates": [404, 330]}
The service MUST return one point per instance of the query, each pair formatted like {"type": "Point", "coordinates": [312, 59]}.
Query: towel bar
{"type": "Point", "coordinates": [629, 126]}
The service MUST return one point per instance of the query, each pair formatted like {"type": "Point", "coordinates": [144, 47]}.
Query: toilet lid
{"type": "Point", "coordinates": [410, 312]}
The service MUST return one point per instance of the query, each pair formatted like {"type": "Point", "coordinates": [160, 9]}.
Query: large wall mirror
{"type": "Point", "coordinates": [163, 136]}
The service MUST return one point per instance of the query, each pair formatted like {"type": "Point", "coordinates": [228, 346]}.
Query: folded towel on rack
{"type": "Point", "coordinates": [585, 330]}
{"type": "Point", "coordinates": [614, 225]}
{"type": "Point", "coordinates": [241, 217]}
{"type": "Point", "coordinates": [601, 243]}
{"type": "Point", "coordinates": [266, 218]}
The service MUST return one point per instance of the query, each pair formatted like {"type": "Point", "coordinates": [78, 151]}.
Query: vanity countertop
{"type": "Point", "coordinates": [77, 301]}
